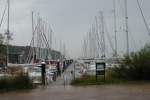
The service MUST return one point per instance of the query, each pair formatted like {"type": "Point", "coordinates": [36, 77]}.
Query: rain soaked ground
{"type": "Point", "coordinates": [57, 91]}
{"type": "Point", "coordinates": [105, 92]}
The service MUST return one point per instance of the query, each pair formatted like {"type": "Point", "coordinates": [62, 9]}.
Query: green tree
{"type": "Point", "coordinates": [2, 51]}
{"type": "Point", "coordinates": [1, 44]}
{"type": "Point", "coordinates": [136, 66]}
{"type": "Point", "coordinates": [1, 39]}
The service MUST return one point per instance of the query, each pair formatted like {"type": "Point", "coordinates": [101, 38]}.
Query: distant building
{"type": "Point", "coordinates": [19, 54]}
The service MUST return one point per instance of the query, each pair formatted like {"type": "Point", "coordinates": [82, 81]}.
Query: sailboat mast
{"type": "Point", "coordinates": [127, 32]}
{"type": "Point", "coordinates": [96, 38]}
{"type": "Point", "coordinates": [33, 35]}
{"type": "Point", "coordinates": [8, 15]}
{"type": "Point", "coordinates": [102, 35]}
{"type": "Point", "coordinates": [115, 28]}
{"type": "Point", "coordinates": [8, 33]}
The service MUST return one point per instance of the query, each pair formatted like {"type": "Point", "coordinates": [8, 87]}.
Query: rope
{"type": "Point", "coordinates": [143, 17]}
{"type": "Point", "coordinates": [3, 16]}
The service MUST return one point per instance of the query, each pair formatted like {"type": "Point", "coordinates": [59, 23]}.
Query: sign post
{"type": "Point", "coordinates": [43, 65]}
{"type": "Point", "coordinates": [100, 69]}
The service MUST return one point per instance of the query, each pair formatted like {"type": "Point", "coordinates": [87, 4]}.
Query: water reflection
{"type": "Point", "coordinates": [110, 92]}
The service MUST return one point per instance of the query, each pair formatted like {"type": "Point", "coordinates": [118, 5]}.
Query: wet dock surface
{"type": "Point", "coordinates": [109, 92]}
{"type": "Point", "coordinates": [59, 91]}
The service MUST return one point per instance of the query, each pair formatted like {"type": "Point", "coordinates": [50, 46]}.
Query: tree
{"type": "Point", "coordinates": [1, 39]}
{"type": "Point", "coordinates": [136, 66]}
{"type": "Point", "coordinates": [2, 47]}
{"type": "Point", "coordinates": [2, 51]}
{"type": "Point", "coordinates": [1, 44]}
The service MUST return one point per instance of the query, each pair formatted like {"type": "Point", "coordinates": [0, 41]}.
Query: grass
{"type": "Point", "coordinates": [91, 80]}
{"type": "Point", "coordinates": [86, 80]}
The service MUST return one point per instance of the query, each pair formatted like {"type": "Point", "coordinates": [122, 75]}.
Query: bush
{"type": "Point", "coordinates": [136, 66]}
{"type": "Point", "coordinates": [21, 81]}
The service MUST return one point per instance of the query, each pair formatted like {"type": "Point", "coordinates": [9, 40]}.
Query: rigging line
{"type": "Point", "coordinates": [121, 11]}
{"type": "Point", "coordinates": [143, 17]}
{"type": "Point", "coordinates": [32, 37]}
{"type": "Point", "coordinates": [115, 27]}
{"type": "Point", "coordinates": [87, 40]}
{"type": "Point", "coordinates": [3, 16]}
{"type": "Point", "coordinates": [98, 43]}
{"type": "Point", "coordinates": [99, 34]}
{"type": "Point", "coordinates": [108, 36]}
{"type": "Point", "coordinates": [30, 50]}
{"type": "Point", "coordinates": [84, 47]}
{"type": "Point", "coordinates": [29, 54]}
{"type": "Point", "coordinates": [93, 40]}
{"type": "Point", "coordinates": [131, 36]}
{"type": "Point", "coordinates": [49, 37]}
{"type": "Point", "coordinates": [96, 34]}
{"type": "Point", "coordinates": [121, 8]}
{"type": "Point", "coordinates": [45, 39]}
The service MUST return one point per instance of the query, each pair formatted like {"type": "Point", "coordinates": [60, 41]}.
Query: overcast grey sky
{"type": "Point", "coordinates": [71, 19]}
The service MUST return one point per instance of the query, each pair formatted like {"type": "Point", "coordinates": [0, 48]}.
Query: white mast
{"type": "Point", "coordinates": [115, 28]}
{"type": "Point", "coordinates": [102, 34]}
{"type": "Point", "coordinates": [33, 34]}
{"type": "Point", "coordinates": [8, 34]}
{"type": "Point", "coordinates": [127, 32]}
